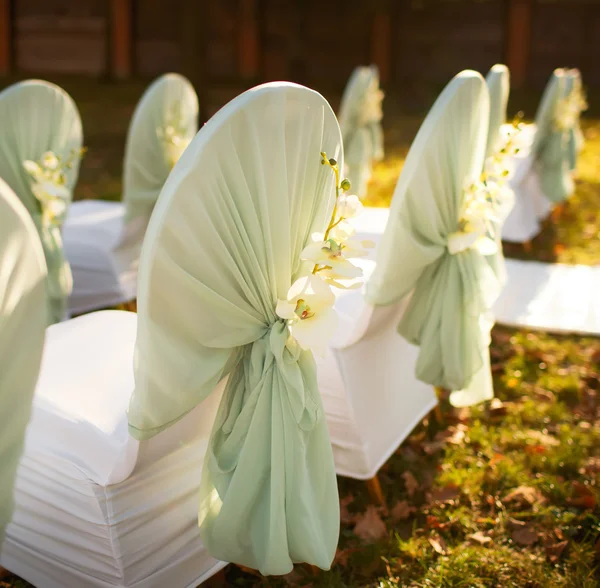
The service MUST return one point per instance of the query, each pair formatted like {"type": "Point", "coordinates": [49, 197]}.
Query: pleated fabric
{"type": "Point", "coordinates": [498, 83]}
{"type": "Point", "coordinates": [222, 246]}
{"type": "Point", "coordinates": [23, 317]}
{"type": "Point", "coordinates": [448, 314]}
{"type": "Point", "coordinates": [551, 144]}
{"type": "Point", "coordinates": [35, 117]}
{"type": "Point", "coordinates": [163, 124]}
{"type": "Point", "coordinates": [360, 121]}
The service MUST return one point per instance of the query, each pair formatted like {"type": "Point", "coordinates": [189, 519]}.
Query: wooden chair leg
{"type": "Point", "coordinates": [375, 492]}
{"type": "Point", "coordinates": [557, 212]}
{"type": "Point", "coordinates": [437, 411]}
{"type": "Point", "coordinates": [527, 246]}
{"type": "Point", "coordinates": [249, 571]}
{"type": "Point", "coordinates": [314, 569]}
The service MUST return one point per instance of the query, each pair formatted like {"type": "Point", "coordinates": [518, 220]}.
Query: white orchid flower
{"type": "Point", "coordinates": [32, 168]}
{"type": "Point", "coordinates": [473, 235]}
{"type": "Point", "coordinates": [309, 310]}
{"type": "Point", "coordinates": [49, 160]}
{"type": "Point", "coordinates": [349, 206]}
{"type": "Point", "coordinates": [330, 253]}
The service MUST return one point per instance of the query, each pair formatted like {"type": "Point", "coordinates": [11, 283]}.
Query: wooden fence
{"type": "Point", "coordinates": [222, 43]}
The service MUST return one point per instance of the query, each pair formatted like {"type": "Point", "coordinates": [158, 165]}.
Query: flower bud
{"type": "Point", "coordinates": [345, 185]}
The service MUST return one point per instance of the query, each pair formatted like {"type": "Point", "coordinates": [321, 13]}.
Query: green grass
{"type": "Point", "coordinates": [451, 519]}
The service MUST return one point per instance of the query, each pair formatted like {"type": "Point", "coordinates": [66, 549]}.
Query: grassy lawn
{"type": "Point", "coordinates": [503, 494]}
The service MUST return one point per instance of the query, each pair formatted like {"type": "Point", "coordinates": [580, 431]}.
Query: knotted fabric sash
{"type": "Point", "coordinates": [166, 113]}
{"type": "Point", "coordinates": [36, 117]}
{"type": "Point", "coordinates": [551, 144]}
{"type": "Point", "coordinates": [270, 428]}
{"type": "Point", "coordinates": [450, 292]}
{"type": "Point", "coordinates": [59, 283]}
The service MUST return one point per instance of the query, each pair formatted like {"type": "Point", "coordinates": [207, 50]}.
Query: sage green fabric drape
{"type": "Point", "coordinates": [361, 129]}
{"type": "Point", "coordinates": [576, 139]}
{"type": "Point", "coordinates": [36, 117]}
{"type": "Point", "coordinates": [448, 312]}
{"type": "Point", "coordinates": [23, 317]}
{"type": "Point", "coordinates": [498, 83]}
{"type": "Point", "coordinates": [223, 245]}
{"type": "Point", "coordinates": [551, 145]}
{"type": "Point", "coordinates": [170, 99]}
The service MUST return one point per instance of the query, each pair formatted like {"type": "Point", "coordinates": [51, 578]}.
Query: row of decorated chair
{"type": "Point", "coordinates": [215, 372]}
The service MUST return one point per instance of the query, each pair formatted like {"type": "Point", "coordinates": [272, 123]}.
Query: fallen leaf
{"type": "Point", "coordinates": [525, 495]}
{"type": "Point", "coordinates": [446, 494]}
{"type": "Point", "coordinates": [369, 526]}
{"type": "Point", "coordinates": [516, 524]}
{"type": "Point", "coordinates": [524, 536]}
{"type": "Point", "coordinates": [479, 538]}
{"type": "Point", "coordinates": [583, 496]}
{"type": "Point", "coordinates": [542, 438]}
{"type": "Point", "coordinates": [346, 516]}
{"type": "Point", "coordinates": [438, 544]}
{"type": "Point", "coordinates": [402, 510]}
{"type": "Point", "coordinates": [342, 555]}
{"type": "Point", "coordinates": [553, 552]}
{"type": "Point", "coordinates": [410, 482]}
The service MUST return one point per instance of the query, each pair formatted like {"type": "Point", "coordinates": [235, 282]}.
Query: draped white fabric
{"type": "Point", "coordinates": [23, 319]}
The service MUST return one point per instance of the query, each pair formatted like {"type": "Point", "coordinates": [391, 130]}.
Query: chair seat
{"type": "Point", "coordinates": [95, 507]}
{"type": "Point", "coordinates": [371, 396]}
{"type": "Point", "coordinates": [103, 254]}
{"type": "Point", "coordinates": [81, 400]}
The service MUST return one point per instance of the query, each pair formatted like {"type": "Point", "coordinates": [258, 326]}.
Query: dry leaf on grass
{"type": "Point", "coordinates": [410, 482]}
{"type": "Point", "coordinates": [525, 495]}
{"type": "Point", "coordinates": [583, 496]}
{"type": "Point", "coordinates": [524, 536]}
{"type": "Point", "coordinates": [438, 544]}
{"type": "Point", "coordinates": [479, 538]}
{"type": "Point", "coordinates": [369, 526]}
{"type": "Point", "coordinates": [402, 510]}
{"type": "Point", "coordinates": [554, 551]}
{"type": "Point", "coordinates": [346, 517]}
{"type": "Point", "coordinates": [446, 494]}
{"type": "Point", "coordinates": [542, 438]}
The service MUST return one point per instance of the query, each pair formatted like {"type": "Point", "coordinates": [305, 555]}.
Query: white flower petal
{"type": "Point", "coordinates": [486, 246]}
{"type": "Point", "coordinates": [462, 240]}
{"type": "Point", "coordinates": [315, 331]}
{"type": "Point", "coordinates": [285, 309]}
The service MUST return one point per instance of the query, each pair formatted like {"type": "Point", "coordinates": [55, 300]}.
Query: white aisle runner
{"type": "Point", "coordinates": [547, 296]}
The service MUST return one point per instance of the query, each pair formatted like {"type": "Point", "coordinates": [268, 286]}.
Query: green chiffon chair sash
{"type": "Point", "coordinates": [223, 245]}
{"type": "Point", "coordinates": [448, 313]}
{"type": "Point", "coordinates": [36, 117]}
{"type": "Point", "coordinates": [163, 124]}
{"type": "Point", "coordinates": [361, 127]}
{"type": "Point", "coordinates": [23, 318]}
{"type": "Point", "coordinates": [576, 139]}
{"type": "Point", "coordinates": [498, 83]}
{"type": "Point", "coordinates": [551, 145]}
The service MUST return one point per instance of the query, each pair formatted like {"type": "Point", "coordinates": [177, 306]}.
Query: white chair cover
{"type": "Point", "coordinates": [223, 245]}
{"type": "Point", "coordinates": [360, 122]}
{"type": "Point", "coordinates": [102, 239]}
{"type": "Point", "coordinates": [94, 507]}
{"type": "Point", "coordinates": [23, 319]}
{"type": "Point", "coordinates": [36, 117]}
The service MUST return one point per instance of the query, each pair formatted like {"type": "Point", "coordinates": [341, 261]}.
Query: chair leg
{"type": "Point", "coordinates": [527, 246]}
{"type": "Point", "coordinates": [249, 571]}
{"type": "Point", "coordinates": [557, 212]}
{"type": "Point", "coordinates": [439, 417]}
{"type": "Point", "coordinates": [314, 569]}
{"type": "Point", "coordinates": [375, 492]}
